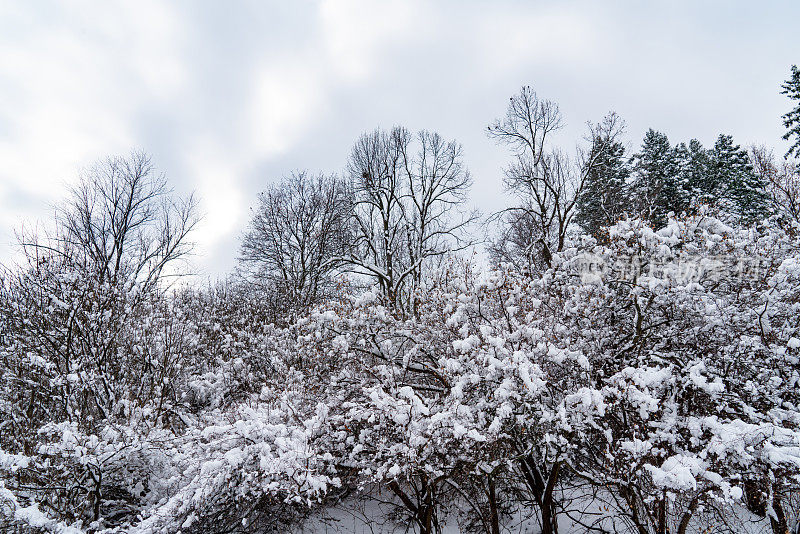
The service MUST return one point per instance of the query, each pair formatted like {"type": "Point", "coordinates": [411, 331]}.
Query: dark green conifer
{"type": "Point", "coordinates": [604, 198]}
{"type": "Point", "coordinates": [657, 187]}
{"type": "Point", "coordinates": [791, 120]}
{"type": "Point", "coordinates": [733, 184]}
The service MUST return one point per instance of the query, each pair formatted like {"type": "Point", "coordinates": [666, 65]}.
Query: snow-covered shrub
{"type": "Point", "coordinates": [694, 400]}
{"type": "Point", "coordinates": [652, 379]}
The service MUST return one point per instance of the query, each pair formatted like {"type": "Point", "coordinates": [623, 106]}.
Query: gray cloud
{"type": "Point", "coordinates": [228, 97]}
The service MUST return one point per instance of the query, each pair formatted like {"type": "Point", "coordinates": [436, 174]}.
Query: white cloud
{"type": "Point", "coordinates": [285, 98]}
{"type": "Point", "coordinates": [507, 39]}
{"type": "Point", "coordinates": [291, 92]}
{"type": "Point", "coordinates": [217, 182]}
{"type": "Point", "coordinates": [217, 95]}
{"type": "Point", "coordinates": [72, 80]}
{"type": "Point", "coordinates": [356, 33]}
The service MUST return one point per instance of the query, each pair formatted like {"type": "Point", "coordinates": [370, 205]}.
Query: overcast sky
{"type": "Point", "coordinates": [229, 96]}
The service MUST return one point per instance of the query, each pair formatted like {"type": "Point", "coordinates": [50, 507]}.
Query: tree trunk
{"type": "Point", "coordinates": [684, 525]}
{"type": "Point", "coordinates": [427, 509]}
{"type": "Point", "coordinates": [548, 502]}
{"type": "Point", "coordinates": [423, 510]}
{"type": "Point", "coordinates": [778, 518]}
{"type": "Point", "coordinates": [494, 516]}
{"type": "Point", "coordinates": [754, 491]}
{"type": "Point", "coordinates": [662, 515]}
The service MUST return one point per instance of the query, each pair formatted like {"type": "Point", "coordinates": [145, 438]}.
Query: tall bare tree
{"type": "Point", "coordinates": [782, 178]}
{"type": "Point", "coordinates": [546, 181]}
{"type": "Point", "coordinates": [298, 230]}
{"type": "Point", "coordinates": [409, 192]}
{"type": "Point", "coordinates": [85, 322]}
{"type": "Point", "coordinates": [114, 239]}
{"type": "Point", "coordinates": [122, 222]}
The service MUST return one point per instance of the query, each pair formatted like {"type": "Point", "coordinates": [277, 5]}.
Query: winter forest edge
{"type": "Point", "coordinates": [625, 359]}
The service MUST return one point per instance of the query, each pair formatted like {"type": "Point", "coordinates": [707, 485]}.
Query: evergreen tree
{"type": "Point", "coordinates": [604, 197]}
{"type": "Point", "coordinates": [733, 183]}
{"type": "Point", "coordinates": [791, 120]}
{"type": "Point", "coordinates": [657, 186]}
{"type": "Point", "coordinates": [693, 168]}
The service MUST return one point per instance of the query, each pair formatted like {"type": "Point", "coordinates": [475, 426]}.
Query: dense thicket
{"type": "Point", "coordinates": [630, 362]}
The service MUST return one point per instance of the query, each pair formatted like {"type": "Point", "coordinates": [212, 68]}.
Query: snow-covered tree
{"type": "Point", "coordinates": [791, 120]}
{"type": "Point", "coordinates": [733, 184]}
{"type": "Point", "coordinates": [299, 228]}
{"type": "Point", "coordinates": [604, 199]}
{"type": "Point", "coordinates": [545, 180]}
{"type": "Point", "coordinates": [409, 193]}
{"type": "Point", "coordinates": [783, 181]}
{"type": "Point", "coordinates": [657, 187]}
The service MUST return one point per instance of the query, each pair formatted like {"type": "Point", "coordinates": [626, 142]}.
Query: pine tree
{"type": "Point", "coordinates": [791, 120]}
{"type": "Point", "coordinates": [733, 183]}
{"type": "Point", "coordinates": [693, 168]}
{"type": "Point", "coordinates": [657, 187]}
{"type": "Point", "coordinates": [604, 197]}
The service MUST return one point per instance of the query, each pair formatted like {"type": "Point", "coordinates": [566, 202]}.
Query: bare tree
{"type": "Point", "coordinates": [113, 239]}
{"type": "Point", "coordinates": [516, 242]}
{"type": "Point", "coordinates": [782, 178]}
{"type": "Point", "coordinates": [86, 323]}
{"type": "Point", "coordinates": [298, 230]}
{"type": "Point", "coordinates": [121, 222]}
{"type": "Point", "coordinates": [409, 192]}
{"type": "Point", "coordinates": [546, 180]}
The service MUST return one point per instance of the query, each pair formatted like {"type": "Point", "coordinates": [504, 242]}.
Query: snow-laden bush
{"type": "Point", "coordinates": [643, 384]}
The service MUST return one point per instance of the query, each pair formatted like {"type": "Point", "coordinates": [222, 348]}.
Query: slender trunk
{"type": "Point", "coordinates": [754, 491]}
{"type": "Point", "coordinates": [548, 519]}
{"type": "Point", "coordinates": [549, 514]}
{"type": "Point", "coordinates": [662, 514]}
{"type": "Point", "coordinates": [633, 502]}
{"type": "Point", "coordinates": [543, 492]}
{"type": "Point", "coordinates": [423, 510]}
{"type": "Point", "coordinates": [427, 519]}
{"type": "Point", "coordinates": [778, 518]}
{"type": "Point", "coordinates": [687, 516]}
{"type": "Point", "coordinates": [494, 516]}
{"type": "Point", "coordinates": [534, 482]}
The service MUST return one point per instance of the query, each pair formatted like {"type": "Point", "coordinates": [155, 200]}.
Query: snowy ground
{"type": "Point", "coordinates": [370, 517]}
{"type": "Point", "coordinates": [359, 517]}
